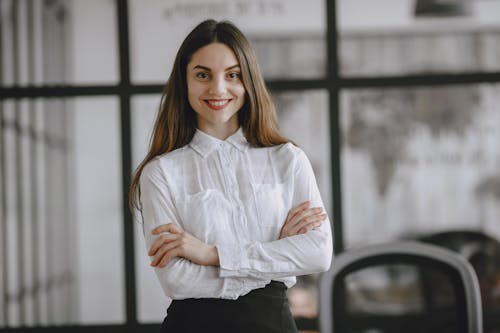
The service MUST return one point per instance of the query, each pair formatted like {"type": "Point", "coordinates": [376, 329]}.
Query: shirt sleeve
{"type": "Point", "coordinates": [181, 278]}
{"type": "Point", "coordinates": [291, 256]}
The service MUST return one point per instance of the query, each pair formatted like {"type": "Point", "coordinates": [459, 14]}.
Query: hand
{"type": "Point", "coordinates": [175, 242]}
{"type": "Point", "coordinates": [301, 219]}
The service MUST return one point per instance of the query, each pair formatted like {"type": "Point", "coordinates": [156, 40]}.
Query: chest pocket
{"type": "Point", "coordinates": [206, 214]}
{"type": "Point", "coordinates": [271, 201]}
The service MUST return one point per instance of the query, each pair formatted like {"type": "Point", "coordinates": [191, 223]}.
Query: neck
{"type": "Point", "coordinates": [221, 133]}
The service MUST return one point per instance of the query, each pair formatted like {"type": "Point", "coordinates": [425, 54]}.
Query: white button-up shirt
{"type": "Point", "coordinates": [236, 197]}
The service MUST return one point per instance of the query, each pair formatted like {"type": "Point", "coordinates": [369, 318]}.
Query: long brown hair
{"type": "Point", "coordinates": [175, 123]}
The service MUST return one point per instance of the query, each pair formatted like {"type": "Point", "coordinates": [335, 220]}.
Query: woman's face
{"type": "Point", "coordinates": [215, 90]}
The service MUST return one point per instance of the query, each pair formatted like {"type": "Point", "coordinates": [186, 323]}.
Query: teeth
{"type": "Point", "coordinates": [218, 103]}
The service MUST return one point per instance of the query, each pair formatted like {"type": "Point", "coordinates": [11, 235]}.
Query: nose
{"type": "Point", "coordinates": [217, 86]}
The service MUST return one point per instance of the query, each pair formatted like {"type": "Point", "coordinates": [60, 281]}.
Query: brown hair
{"type": "Point", "coordinates": [175, 123]}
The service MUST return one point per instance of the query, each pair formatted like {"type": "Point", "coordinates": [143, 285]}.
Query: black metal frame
{"type": "Point", "coordinates": [333, 83]}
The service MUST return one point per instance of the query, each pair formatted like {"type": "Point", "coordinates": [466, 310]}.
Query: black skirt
{"type": "Point", "coordinates": [264, 310]}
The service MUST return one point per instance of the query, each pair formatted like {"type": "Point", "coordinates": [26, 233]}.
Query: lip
{"type": "Point", "coordinates": [217, 104]}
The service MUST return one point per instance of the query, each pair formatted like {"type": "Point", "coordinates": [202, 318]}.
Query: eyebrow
{"type": "Point", "coordinates": [209, 70]}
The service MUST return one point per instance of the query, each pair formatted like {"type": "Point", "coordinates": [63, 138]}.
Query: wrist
{"type": "Point", "coordinates": [213, 256]}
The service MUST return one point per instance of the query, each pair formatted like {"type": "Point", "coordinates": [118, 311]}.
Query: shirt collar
{"type": "Point", "coordinates": [204, 143]}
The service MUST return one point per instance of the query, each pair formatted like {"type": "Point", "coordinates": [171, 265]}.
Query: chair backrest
{"type": "Point", "coordinates": [400, 287]}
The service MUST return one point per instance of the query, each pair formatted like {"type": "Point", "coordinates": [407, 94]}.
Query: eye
{"type": "Point", "coordinates": [202, 75]}
{"type": "Point", "coordinates": [233, 75]}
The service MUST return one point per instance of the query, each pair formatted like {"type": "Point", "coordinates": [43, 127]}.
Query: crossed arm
{"type": "Point", "coordinates": [176, 242]}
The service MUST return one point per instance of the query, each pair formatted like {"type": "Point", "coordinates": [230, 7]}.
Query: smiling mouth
{"type": "Point", "coordinates": [217, 104]}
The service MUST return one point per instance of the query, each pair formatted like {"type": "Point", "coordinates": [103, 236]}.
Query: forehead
{"type": "Point", "coordinates": [214, 56]}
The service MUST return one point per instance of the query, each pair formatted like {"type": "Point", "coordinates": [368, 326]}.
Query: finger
{"type": "Point", "coordinates": [304, 214]}
{"type": "Point", "coordinates": [307, 221]}
{"type": "Point", "coordinates": [169, 227]}
{"type": "Point", "coordinates": [307, 212]}
{"type": "Point", "coordinates": [163, 251]}
{"type": "Point", "coordinates": [176, 252]}
{"type": "Point", "coordinates": [293, 219]}
{"type": "Point", "coordinates": [310, 227]}
{"type": "Point", "coordinates": [160, 241]}
{"type": "Point", "coordinates": [300, 207]}
{"type": "Point", "coordinates": [313, 218]}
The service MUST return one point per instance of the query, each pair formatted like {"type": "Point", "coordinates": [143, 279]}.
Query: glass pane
{"type": "Point", "coordinates": [3, 218]}
{"type": "Point", "coordinates": [288, 36]}
{"type": "Point", "coordinates": [392, 37]}
{"type": "Point", "coordinates": [41, 268]}
{"type": "Point", "coordinates": [62, 233]}
{"type": "Point", "coordinates": [11, 214]}
{"type": "Point", "coordinates": [52, 42]}
{"type": "Point", "coordinates": [93, 47]}
{"type": "Point", "coordinates": [60, 229]}
{"type": "Point", "coordinates": [26, 253]}
{"type": "Point", "coordinates": [98, 209]}
{"type": "Point", "coordinates": [151, 301]}
{"type": "Point", "coordinates": [417, 161]}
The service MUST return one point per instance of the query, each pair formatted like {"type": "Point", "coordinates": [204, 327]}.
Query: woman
{"type": "Point", "coordinates": [242, 209]}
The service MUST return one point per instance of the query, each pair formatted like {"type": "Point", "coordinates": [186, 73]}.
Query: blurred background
{"type": "Point", "coordinates": [396, 103]}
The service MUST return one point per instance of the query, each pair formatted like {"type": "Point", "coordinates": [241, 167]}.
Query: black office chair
{"type": "Point", "coordinates": [482, 250]}
{"type": "Point", "coordinates": [399, 287]}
